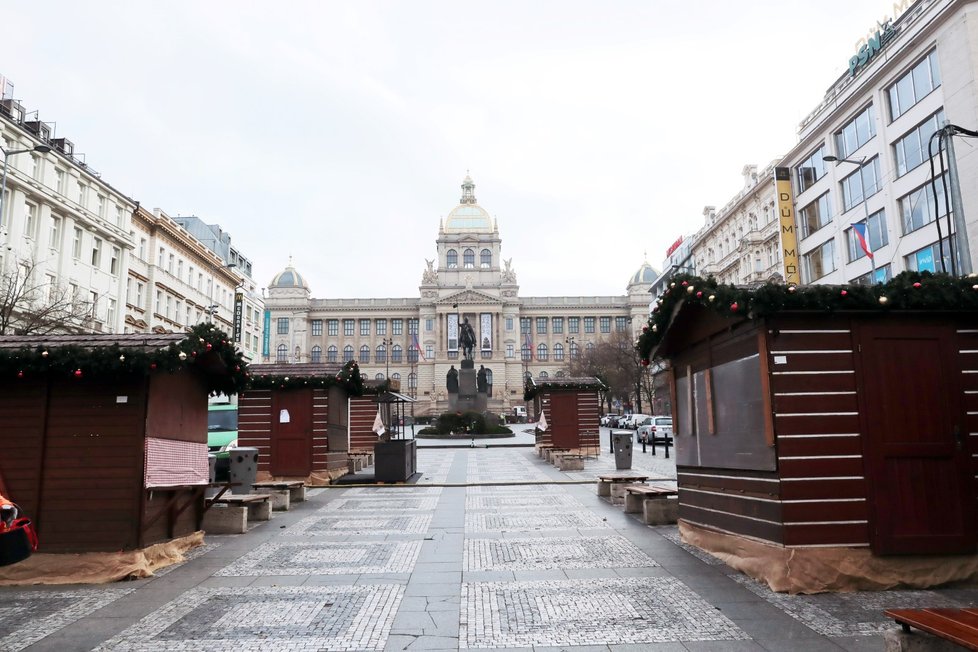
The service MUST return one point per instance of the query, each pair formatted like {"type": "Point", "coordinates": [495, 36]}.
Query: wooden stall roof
{"type": "Point", "coordinates": [303, 369]}
{"type": "Point", "coordinates": [141, 341]}
{"type": "Point", "coordinates": [565, 382]}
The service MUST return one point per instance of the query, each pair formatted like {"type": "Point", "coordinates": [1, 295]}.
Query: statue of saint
{"type": "Point", "coordinates": [451, 380]}
{"type": "Point", "coordinates": [466, 338]}
{"type": "Point", "coordinates": [482, 382]}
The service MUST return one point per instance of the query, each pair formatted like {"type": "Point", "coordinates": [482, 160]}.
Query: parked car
{"type": "Point", "coordinates": [608, 419]}
{"type": "Point", "coordinates": [657, 428]}
{"type": "Point", "coordinates": [634, 419]}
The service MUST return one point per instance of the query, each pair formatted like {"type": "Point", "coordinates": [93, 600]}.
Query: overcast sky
{"type": "Point", "coordinates": [339, 133]}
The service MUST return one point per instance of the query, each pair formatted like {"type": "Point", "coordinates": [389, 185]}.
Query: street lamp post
{"type": "Point", "coordinates": [388, 343]}
{"type": "Point", "coordinates": [7, 153]}
{"type": "Point", "coordinates": [862, 184]}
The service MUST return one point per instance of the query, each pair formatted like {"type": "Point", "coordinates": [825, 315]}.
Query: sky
{"type": "Point", "coordinates": [337, 135]}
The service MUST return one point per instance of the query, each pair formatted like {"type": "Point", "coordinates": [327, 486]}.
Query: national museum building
{"type": "Point", "coordinates": [415, 340]}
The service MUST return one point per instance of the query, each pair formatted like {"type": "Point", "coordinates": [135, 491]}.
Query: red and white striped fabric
{"type": "Point", "coordinates": [170, 462]}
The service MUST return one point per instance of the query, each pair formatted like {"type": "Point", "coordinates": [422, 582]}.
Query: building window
{"type": "Point", "coordinates": [815, 215]}
{"type": "Point", "coordinates": [525, 325]}
{"type": "Point", "coordinates": [914, 148]}
{"type": "Point", "coordinates": [139, 295]}
{"type": "Point", "coordinates": [429, 325]}
{"type": "Point", "coordinates": [114, 261]}
{"type": "Point", "coordinates": [485, 259]}
{"type": "Point", "coordinates": [510, 351]}
{"type": "Point", "coordinates": [928, 259]}
{"type": "Point", "coordinates": [142, 249]}
{"type": "Point", "coordinates": [875, 233]}
{"type": "Point", "coordinates": [509, 323]}
{"type": "Point", "coordinates": [379, 376]}
{"type": "Point", "coordinates": [573, 325]}
{"type": "Point", "coordinates": [282, 353]}
{"type": "Point", "coordinates": [317, 354]}
{"type": "Point", "coordinates": [468, 259]}
{"type": "Point", "coordinates": [96, 252]}
{"type": "Point", "coordinates": [606, 324]}
{"type": "Point", "coordinates": [54, 234]}
{"type": "Point", "coordinates": [396, 352]}
{"type": "Point", "coordinates": [914, 86]}
{"type": "Point", "coordinates": [558, 352]}
{"type": "Point", "coordinates": [557, 324]}
{"type": "Point", "coordinates": [348, 327]}
{"type": "Point", "coordinates": [381, 356]}
{"type": "Point", "coordinates": [364, 354]}
{"type": "Point", "coordinates": [397, 327]}
{"type": "Point", "coordinates": [810, 170]}
{"type": "Point", "coordinates": [917, 207]}
{"type": "Point", "coordinates": [412, 380]}
{"type": "Point", "coordinates": [820, 261]}
{"type": "Point", "coordinates": [412, 355]}
{"type": "Point", "coordinates": [331, 353]}
{"type": "Point", "coordinates": [412, 325]}
{"type": "Point", "coordinates": [30, 220]}
{"type": "Point", "coordinates": [861, 184]}
{"type": "Point", "coordinates": [429, 352]}
{"type": "Point", "coordinates": [452, 259]}
{"type": "Point", "coordinates": [347, 353]}
{"type": "Point", "coordinates": [283, 325]}
{"type": "Point", "coordinates": [526, 353]}
{"type": "Point", "coordinates": [120, 216]}
{"type": "Point", "coordinates": [883, 274]}
{"type": "Point", "coordinates": [100, 205]}
{"type": "Point", "coordinates": [621, 323]}
{"type": "Point", "coordinates": [574, 351]}
{"type": "Point", "coordinates": [82, 194]}
{"type": "Point", "coordinates": [333, 327]}
{"type": "Point", "coordinates": [380, 326]}
{"type": "Point", "coordinates": [364, 328]}
{"type": "Point", "coordinates": [60, 180]}
{"type": "Point", "coordinates": [589, 324]}
{"type": "Point", "coordinates": [317, 327]}
{"type": "Point", "coordinates": [542, 352]}
{"type": "Point", "coordinates": [856, 133]}
{"type": "Point", "coordinates": [544, 374]}
{"type": "Point", "coordinates": [542, 325]}
{"type": "Point", "coordinates": [161, 257]}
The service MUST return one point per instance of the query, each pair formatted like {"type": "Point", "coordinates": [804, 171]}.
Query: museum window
{"type": "Point", "coordinates": [429, 325]}
{"type": "Point", "coordinates": [429, 352]}
{"type": "Point", "coordinates": [485, 259]}
{"type": "Point", "coordinates": [542, 352]}
{"type": "Point", "coordinates": [810, 170]}
{"type": "Point", "coordinates": [820, 261]}
{"type": "Point", "coordinates": [282, 353]}
{"type": "Point", "coordinates": [412, 381]}
{"type": "Point", "coordinates": [396, 351]}
{"type": "Point", "coordinates": [412, 325]}
{"type": "Point", "coordinates": [526, 353]}
{"type": "Point", "coordinates": [347, 353]}
{"type": "Point", "coordinates": [364, 327]}
{"type": "Point", "coordinates": [283, 325]}
{"type": "Point", "coordinates": [917, 207]}
{"type": "Point", "coordinates": [866, 179]}
{"type": "Point", "coordinates": [412, 355]}
{"type": "Point", "coordinates": [333, 327]}
{"type": "Point", "coordinates": [558, 352]}
{"type": "Point", "coordinates": [605, 324]}
{"type": "Point", "coordinates": [525, 325]}
{"type": "Point", "coordinates": [541, 325]}
{"type": "Point", "coordinates": [317, 327]}
{"type": "Point", "coordinates": [856, 133]}
{"type": "Point", "coordinates": [557, 325]}
{"type": "Point", "coordinates": [573, 325]}
{"type": "Point", "coordinates": [348, 327]}
{"type": "Point", "coordinates": [574, 351]}
{"type": "Point", "coordinates": [331, 353]}
{"type": "Point", "coordinates": [379, 376]}
{"type": "Point", "coordinates": [364, 354]}
{"type": "Point", "coordinates": [380, 327]}
{"type": "Point", "coordinates": [381, 356]}
{"type": "Point", "coordinates": [510, 351]}
{"type": "Point", "coordinates": [815, 215]}
{"type": "Point", "coordinates": [317, 354]}
{"type": "Point", "coordinates": [397, 327]}
{"type": "Point", "coordinates": [544, 374]}
{"type": "Point", "coordinates": [621, 323]}
{"type": "Point", "coordinates": [914, 86]}
{"type": "Point", "coordinates": [875, 233]}
{"type": "Point", "coordinates": [589, 324]}
{"type": "Point", "coordinates": [452, 259]}
{"type": "Point", "coordinates": [914, 148]}
{"type": "Point", "coordinates": [468, 259]}
{"type": "Point", "coordinates": [509, 323]}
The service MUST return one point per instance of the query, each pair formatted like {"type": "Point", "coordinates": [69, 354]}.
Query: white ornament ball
{"type": "Point", "coordinates": [712, 297]}
{"type": "Point", "coordinates": [883, 301]}
{"type": "Point", "coordinates": [690, 289]}
{"type": "Point", "coordinates": [182, 355]}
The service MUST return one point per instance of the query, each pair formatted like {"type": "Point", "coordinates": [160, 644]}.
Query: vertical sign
{"type": "Point", "coordinates": [266, 335]}
{"type": "Point", "coordinates": [485, 328]}
{"type": "Point", "coordinates": [238, 311]}
{"type": "Point", "coordinates": [453, 331]}
{"type": "Point", "coordinates": [786, 213]}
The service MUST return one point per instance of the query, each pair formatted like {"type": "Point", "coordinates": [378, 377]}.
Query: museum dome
{"type": "Point", "coordinates": [646, 275]}
{"type": "Point", "coordinates": [288, 278]}
{"type": "Point", "coordinates": [468, 216]}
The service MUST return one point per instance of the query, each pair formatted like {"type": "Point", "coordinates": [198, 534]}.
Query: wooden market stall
{"type": "Point", "coordinates": [298, 416]}
{"type": "Point", "coordinates": [571, 407]}
{"type": "Point", "coordinates": [825, 435]}
{"type": "Point", "coordinates": [104, 442]}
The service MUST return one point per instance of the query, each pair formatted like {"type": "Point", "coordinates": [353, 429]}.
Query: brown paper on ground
{"type": "Point", "coordinates": [321, 478]}
{"type": "Point", "coordinates": [98, 567]}
{"type": "Point", "coordinates": [819, 570]}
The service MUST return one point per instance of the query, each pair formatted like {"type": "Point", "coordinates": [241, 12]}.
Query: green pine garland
{"type": "Point", "coordinates": [532, 387]}
{"type": "Point", "coordinates": [920, 291]}
{"type": "Point", "coordinates": [349, 378]}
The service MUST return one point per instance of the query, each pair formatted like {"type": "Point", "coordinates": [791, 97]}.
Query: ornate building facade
{"type": "Point", "coordinates": [415, 340]}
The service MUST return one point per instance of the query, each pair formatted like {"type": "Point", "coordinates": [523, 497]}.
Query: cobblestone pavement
{"type": "Point", "coordinates": [492, 549]}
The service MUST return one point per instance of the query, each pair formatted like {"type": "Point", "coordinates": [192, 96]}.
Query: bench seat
{"type": "Point", "coordinates": [283, 493]}
{"type": "Point", "coordinates": [960, 626]}
{"type": "Point", "coordinates": [655, 502]}
{"type": "Point", "coordinates": [229, 514]}
{"type": "Point", "coordinates": [612, 485]}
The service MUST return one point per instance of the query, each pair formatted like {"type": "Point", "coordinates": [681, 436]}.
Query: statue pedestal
{"type": "Point", "coordinates": [468, 398]}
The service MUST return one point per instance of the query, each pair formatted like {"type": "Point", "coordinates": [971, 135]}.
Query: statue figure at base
{"type": "Point", "coordinates": [451, 380]}
{"type": "Point", "coordinates": [466, 338]}
{"type": "Point", "coordinates": [482, 381]}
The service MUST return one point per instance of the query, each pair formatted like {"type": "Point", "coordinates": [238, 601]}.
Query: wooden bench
{"type": "Point", "coordinates": [235, 511]}
{"type": "Point", "coordinates": [960, 626]}
{"type": "Point", "coordinates": [654, 502]}
{"type": "Point", "coordinates": [612, 485]}
{"type": "Point", "coordinates": [283, 493]}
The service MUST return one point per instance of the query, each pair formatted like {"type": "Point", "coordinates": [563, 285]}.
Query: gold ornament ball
{"type": "Point", "coordinates": [883, 301]}
{"type": "Point", "coordinates": [690, 289]}
{"type": "Point", "coordinates": [712, 297]}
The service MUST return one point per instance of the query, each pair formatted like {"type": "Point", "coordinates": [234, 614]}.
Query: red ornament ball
{"type": "Point", "coordinates": [78, 373]}
{"type": "Point", "coordinates": [152, 365]}
{"type": "Point", "coordinates": [844, 293]}
{"type": "Point", "coordinates": [734, 307]}
{"type": "Point", "coordinates": [208, 346]}
{"type": "Point", "coordinates": [685, 283]}
{"type": "Point", "coordinates": [237, 368]}
{"type": "Point", "coordinates": [645, 363]}
{"type": "Point", "coordinates": [699, 295]}
{"type": "Point", "coordinates": [645, 329]}
{"type": "Point", "coordinates": [917, 284]}
{"type": "Point", "coordinates": [193, 353]}
{"type": "Point", "coordinates": [20, 374]}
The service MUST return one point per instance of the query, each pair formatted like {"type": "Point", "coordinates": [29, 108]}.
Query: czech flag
{"type": "Point", "coordinates": [528, 342]}
{"type": "Point", "coordinates": [859, 230]}
{"type": "Point", "coordinates": [414, 343]}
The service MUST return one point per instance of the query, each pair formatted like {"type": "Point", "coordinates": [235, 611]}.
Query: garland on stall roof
{"type": "Point", "coordinates": [205, 347]}
{"type": "Point", "coordinates": [348, 377]}
{"type": "Point", "coordinates": [531, 387]}
{"type": "Point", "coordinates": [921, 291]}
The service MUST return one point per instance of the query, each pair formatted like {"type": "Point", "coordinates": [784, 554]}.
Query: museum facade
{"type": "Point", "coordinates": [415, 340]}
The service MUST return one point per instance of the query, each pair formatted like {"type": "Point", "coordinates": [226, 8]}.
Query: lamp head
{"type": "Point", "coordinates": [830, 158]}
{"type": "Point", "coordinates": [43, 149]}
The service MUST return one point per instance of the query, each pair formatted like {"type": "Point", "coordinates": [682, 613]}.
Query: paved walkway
{"type": "Point", "coordinates": [438, 566]}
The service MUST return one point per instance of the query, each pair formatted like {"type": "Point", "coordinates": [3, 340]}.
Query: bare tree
{"type": "Point", "coordinates": [616, 363]}
{"type": "Point", "coordinates": [32, 305]}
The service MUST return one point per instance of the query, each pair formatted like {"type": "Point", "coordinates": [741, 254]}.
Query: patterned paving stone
{"type": "Point", "coordinates": [392, 490]}
{"type": "Point", "coordinates": [530, 522]}
{"type": "Point", "coordinates": [267, 618]}
{"type": "Point", "coordinates": [671, 532]}
{"type": "Point", "coordinates": [387, 503]}
{"type": "Point", "coordinates": [848, 614]}
{"type": "Point", "coordinates": [553, 553]}
{"type": "Point", "coordinates": [500, 490]}
{"type": "Point", "coordinates": [319, 524]}
{"type": "Point", "coordinates": [587, 612]}
{"type": "Point", "coordinates": [519, 501]}
{"type": "Point", "coordinates": [326, 558]}
{"type": "Point", "coordinates": [193, 553]}
{"type": "Point", "coordinates": [28, 616]}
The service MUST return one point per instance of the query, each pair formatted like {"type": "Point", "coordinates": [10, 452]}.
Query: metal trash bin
{"type": "Point", "coordinates": [244, 469]}
{"type": "Point", "coordinates": [623, 448]}
{"type": "Point", "coordinates": [210, 492]}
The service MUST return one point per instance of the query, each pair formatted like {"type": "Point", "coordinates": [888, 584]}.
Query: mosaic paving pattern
{"type": "Point", "coordinates": [268, 618]}
{"type": "Point", "coordinates": [379, 524]}
{"type": "Point", "coordinates": [396, 490]}
{"type": "Point", "coordinates": [384, 503]}
{"type": "Point", "coordinates": [671, 532]}
{"type": "Point", "coordinates": [28, 616]}
{"type": "Point", "coordinates": [847, 614]}
{"type": "Point", "coordinates": [505, 502]}
{"type": "Point", "coordinates": [553, 554]}
{"type": "Point", "coordinates": [587, 612]}
{"type": "Point", "coordinates": [324, 558]}
{"type": "Point", "coordinates": [489, 490]}
{"type": "Point", "coordinates": [529, 522]}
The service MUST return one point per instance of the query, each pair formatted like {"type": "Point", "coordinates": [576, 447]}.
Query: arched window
{"type": "Point", "coordinates": [396, 353]}
{"type": "Point", "coordinates": [379, 377]}
{"type": "Point", "coordinates": [485, 259]}
{"type": "Point", "coordinates": [559, 374]}
{"type": "Point", "coordinates": [452, 259]}
{"type": "Point", "coordinates": [544, 374]}
{"type": "Point", "coordinates": [468, 259]}
{"type": "Point", "coordinates": [347, 353]}
{"type": "Point", "coordinates": [574, 352]}
{"type": "Point", "coordinates": [364, 354]}
{"type": "Point", "coordinates": [558, 352]}
{"type": "Point", "coordinates": [331, 353]}
{"type": "Point", "coordinates": [542, 352]}
{"type": "Point", "coordinates": [412, 381]}
{"type": "Point", "coordinates": [395, 376]}
{"type": "Point", "coordinates": [526, 353]}
{"type": "Point", "coordinates": [381, 354]}
{"type": "Point", "coordinates": [317, 353]}
{"type": "Point", "coordinates": [589, 347]}
{"type": "Point", "coordinates": [282, 353]}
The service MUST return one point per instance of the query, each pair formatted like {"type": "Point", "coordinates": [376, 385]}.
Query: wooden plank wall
{"type": "Point", "coordinates": [588, 417]}
{"type": "Point", "coordinates": [320, 429]}
{"type": "Point", "coordinates": [363, 410]}
{"type": "Point", "coordinates": [23, 413]}
{"type": "Point", "coordinates": [255, 423]}
{"type": "Point", "coordinates": [968, 358]}
{"type": "Point", "coordinates": [742, 502]}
